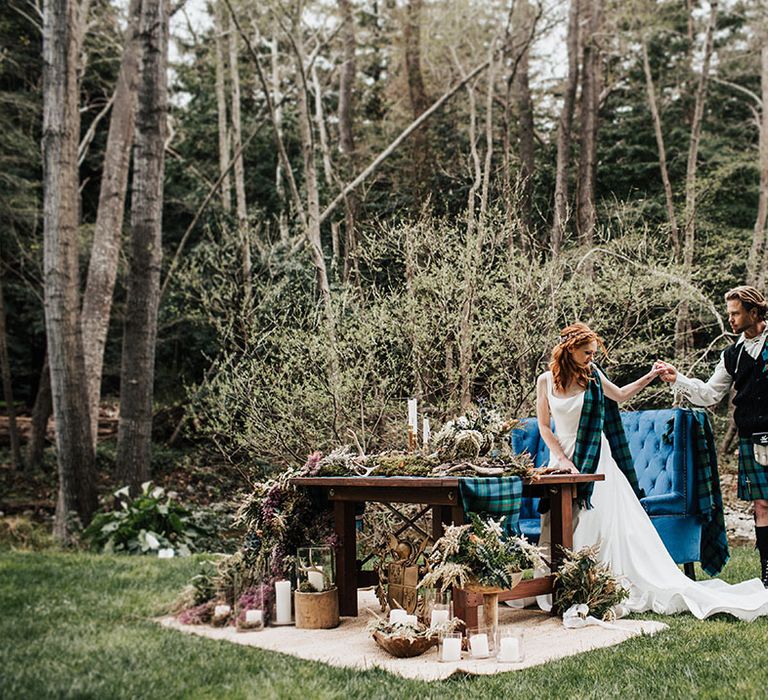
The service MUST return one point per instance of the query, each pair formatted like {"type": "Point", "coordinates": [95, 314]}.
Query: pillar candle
{"type": "Point", "coordinates": [478, 646]}
{"type": "Point", "coordinates": [438, 617]}
{"type": "Point", "coordinates": [282, 602]}
{"type": "Point", "coordinates": [451, 649]}
{"type": "Point", "coordinates": [315, 579]}
{"type": "Point", "coordinates": [397, 615]}
{"type": "Point", "coordinates": [221, 610]}
{"type": "Point", "coordinates": [509, 649]}
{"type": "Point", "coordinates": [425, 431]}
{"type": "Point", "coordinates": [254, 617]}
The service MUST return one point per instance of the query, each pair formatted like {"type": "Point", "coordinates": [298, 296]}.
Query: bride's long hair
{"type": "Point", "coordinates": [564, 370]}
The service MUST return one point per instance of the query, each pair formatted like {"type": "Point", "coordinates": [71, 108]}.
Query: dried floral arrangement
{"type": "Point", "coordinates": [403, 639]}
{"type": "Point", "coordinates": [277, 519]}
{"type": "Point", "coordinates": [476, 444]}
{"type": "Point", "coordinates": [584, 580]}
{"type": "Point", "coordinates": [480, 553]}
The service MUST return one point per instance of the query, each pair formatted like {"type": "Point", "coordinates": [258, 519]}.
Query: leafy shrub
{"type": "Point", "coordinates": [143, 525]}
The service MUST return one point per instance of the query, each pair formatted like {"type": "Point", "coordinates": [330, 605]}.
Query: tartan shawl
{"type": "Point", "coordinates": [714, 553]}
{"type": "Point", "coordinates": [495, 496]}
{"type": "Point", "coordinates": [599, 415]}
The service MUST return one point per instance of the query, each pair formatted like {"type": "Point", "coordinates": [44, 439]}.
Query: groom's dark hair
{"type": "Point", "coordinates": [750, 298]}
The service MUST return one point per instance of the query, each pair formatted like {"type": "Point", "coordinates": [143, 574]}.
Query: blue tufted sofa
{"type": "Point", "coordinates": [661, 442]}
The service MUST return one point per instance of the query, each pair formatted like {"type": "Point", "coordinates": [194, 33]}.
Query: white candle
{"type": "Point", "coordinates": [397, 615]}
{"type": "Point", "coordinates": [165, 553]}
{"type": "Point", "coordinates": [478, 645]}
{"type": "Point", "coordinates": [254, 617]}
{"type": "Point", "coordinates": [438, 618]}
{"type": "Point", "coordinates": [221, 610]}
{"type": "Point", "coordinates": [451, 649]}
{"type": "Point", "coordinates": [413, 420]}
{"type": "Point", "coordinates": [425, 431]}
{"type": "Point", "coordinates": [315, 579]}
{"type": "Point", "coordinates": [509, 649]}
{"type": "Point", "coordinates": [282, 602]}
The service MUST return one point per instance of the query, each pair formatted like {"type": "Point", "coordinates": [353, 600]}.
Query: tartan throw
{"type": "Point", "coordinates": [494, 496]}
{"type": "Point", "coordinates": [714, 553]}
{"type": "Point", "coordinates": [601, 415]}
{"type": "Point", "coordinates": [753, 477]}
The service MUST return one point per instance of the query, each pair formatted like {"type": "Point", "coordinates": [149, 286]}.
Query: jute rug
{"type": "Point", "coordinates": [350, 645]}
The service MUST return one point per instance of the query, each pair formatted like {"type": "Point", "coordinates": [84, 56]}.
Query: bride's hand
{"type": "Point", "coordinates": [563, 466]}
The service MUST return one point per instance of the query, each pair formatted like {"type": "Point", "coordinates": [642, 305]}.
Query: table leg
{"type": "Point", "coordinates": [441, 515]}
{"type": "Point", "coordinates": [561, 504]}
{"type": "Point", "coordinates": [462, 609]}
{"type": "Point", "coordinates": [346, 556]}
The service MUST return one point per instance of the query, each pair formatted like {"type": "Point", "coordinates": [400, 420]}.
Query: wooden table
{"type": "Point", "coordinates": [442, 494]}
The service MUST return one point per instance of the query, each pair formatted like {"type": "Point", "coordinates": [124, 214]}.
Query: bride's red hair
{"type": "Point", "coordinates": [564, 370]}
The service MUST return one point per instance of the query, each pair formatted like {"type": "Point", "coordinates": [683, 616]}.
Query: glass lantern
{"type": "Point", "coordinates": [315, 569]}
{"type": "Point", "coordinates": [509, 645]}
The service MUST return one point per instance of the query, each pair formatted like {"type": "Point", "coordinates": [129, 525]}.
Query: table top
{"type": "Point", "coordinates": [451, 482]}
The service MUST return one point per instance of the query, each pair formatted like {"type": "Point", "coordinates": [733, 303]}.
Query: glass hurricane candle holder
{"type": "Point", "coordinates": [449, 646]}
{"type": "Point", "coordinates": [315, 569]}
{"type": "Point", "coordinates": [482, 642]}
{"type": "Point", "coordinates": [509, 644]}
{"type": "Point", "coordinates": [437, 607]}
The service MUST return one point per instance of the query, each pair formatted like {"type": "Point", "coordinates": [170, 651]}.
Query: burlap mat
{"type": "Point", "coordinates": [350, 645]}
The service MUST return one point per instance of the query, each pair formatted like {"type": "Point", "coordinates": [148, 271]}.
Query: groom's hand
{"type": "Point", "coordinates": [667, 372]}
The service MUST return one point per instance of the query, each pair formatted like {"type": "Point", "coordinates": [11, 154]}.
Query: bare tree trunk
{"type": "Point", "coordinates": [521, 94]}
{"type": "Point", "coordinates": [61, 131]}
{"type": "Point", "coordinates": [564, 131]}
{"type": "Point", "coordinates": [138, 361]}
{"type": "Point", "coordinates": [674, 232]}
{"type": "Point", "coordinates": [310, 179]}
{"type": "Point", "coordinates": [282, 221]}
{"type": "Point", "coordinates": [416, 90]}
{"type": "Point", "coordinates": [107, 237]}
{"type": "Point", "coordinates": [758, 251]}
{"type": "Point", "coordinates": [13, 431]}
{"type": "Point", "coordinates": [591, 79]}
{"type": "Point", "coordinates": [221, 107]}
{"type": "Point", "coordinates": [683, 323]}
{"type": "Point", "coordinates": [239, 171]}
{"type": "Point", "coordinates": [41, 412]}
{"type": "Point", "coordinates": [345, 114]}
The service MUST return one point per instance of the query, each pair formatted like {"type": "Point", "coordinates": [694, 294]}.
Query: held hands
{"type": "Point", "coordinates": [665, 371]}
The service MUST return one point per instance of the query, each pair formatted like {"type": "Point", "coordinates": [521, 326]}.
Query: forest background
{"type": "Point", "coordinates": [318, 209]}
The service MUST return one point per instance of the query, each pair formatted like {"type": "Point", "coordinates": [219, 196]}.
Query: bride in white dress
{"type": "Point", "coordinates": [629, 543]}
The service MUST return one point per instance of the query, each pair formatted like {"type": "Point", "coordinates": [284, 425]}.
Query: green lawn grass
{"type": "Point", "coordinates": [79, 625]}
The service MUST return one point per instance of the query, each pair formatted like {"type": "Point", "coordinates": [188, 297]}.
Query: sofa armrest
{"type": "Point", "coordinates": [672, 503]}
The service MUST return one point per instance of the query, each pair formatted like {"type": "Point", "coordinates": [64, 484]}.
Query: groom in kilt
{"type": "Point", "coordinates": [743, 366]}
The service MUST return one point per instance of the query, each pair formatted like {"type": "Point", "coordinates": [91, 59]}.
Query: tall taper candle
{"type": "Point", "coordinates": [425, 431]}
{"type": "Point", "coordinates": [413, 420]}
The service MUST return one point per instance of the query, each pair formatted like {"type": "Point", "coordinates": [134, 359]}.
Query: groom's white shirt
{"type": "Point", "coordinates": [702, 393]}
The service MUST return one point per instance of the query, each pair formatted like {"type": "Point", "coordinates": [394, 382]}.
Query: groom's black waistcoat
{"type": "Point", "coordinates": [750, 379]}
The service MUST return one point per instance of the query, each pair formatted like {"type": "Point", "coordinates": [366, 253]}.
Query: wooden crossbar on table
{"type": "Point", "coordinates": [442, 495]}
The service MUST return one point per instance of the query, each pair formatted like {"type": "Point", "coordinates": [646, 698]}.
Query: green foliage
{"type": "Point", "coordinates": [583, 580]}
{"type": "Point", "coordinates": [480, 553]}
{"type": "Point", "coordinates": [143, 525]}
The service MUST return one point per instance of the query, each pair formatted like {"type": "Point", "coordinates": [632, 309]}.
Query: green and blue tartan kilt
{"type": "Point", "coordinates": [753, 477]}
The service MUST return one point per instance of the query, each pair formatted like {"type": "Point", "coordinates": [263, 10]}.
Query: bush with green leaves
{"type": "Point", "coordinates": [151, 521]}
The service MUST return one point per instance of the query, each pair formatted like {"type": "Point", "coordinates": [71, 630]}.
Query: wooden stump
{"type": "Point", "coordinates": [317, 611]}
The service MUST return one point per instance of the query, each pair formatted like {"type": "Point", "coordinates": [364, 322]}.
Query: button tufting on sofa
{"type": "Point", "coordinates": [661, 445]}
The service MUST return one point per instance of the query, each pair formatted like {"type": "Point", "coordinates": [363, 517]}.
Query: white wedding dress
{"type": "Point", "coordinates": [632, 548]}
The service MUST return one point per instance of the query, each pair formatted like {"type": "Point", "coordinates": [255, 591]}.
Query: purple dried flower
{"type": "Point", "coordinates": [197, 615]}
